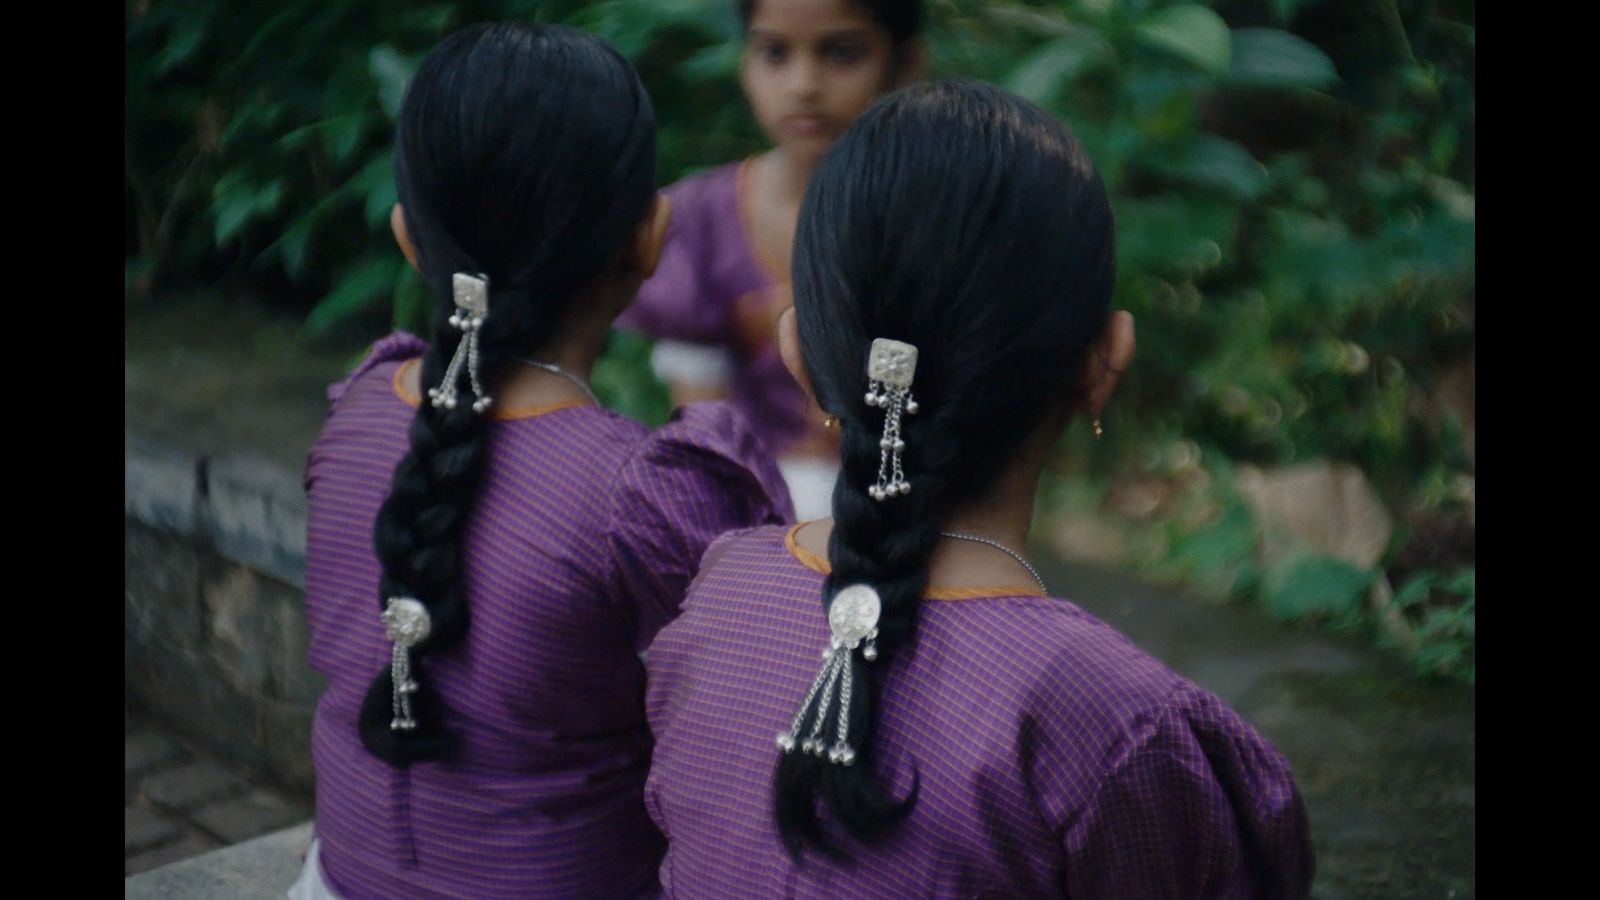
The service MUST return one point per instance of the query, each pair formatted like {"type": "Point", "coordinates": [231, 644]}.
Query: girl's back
{"type": "Point", "coordinates": [963, 734]}
{"type": "Point", "coordinates": [488, 551]}
{"type": "Point", "coordinates": [580, 544]}
{"type": "Point", "coordinates": [1051, 756]}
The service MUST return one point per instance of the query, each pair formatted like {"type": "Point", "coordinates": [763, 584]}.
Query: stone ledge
{"type": "Point", "coordinates": [254, 870]}
{"type": "Point", "coordinates": [248, 510]}
{"type": "Point", "coordinates": [215, 633]}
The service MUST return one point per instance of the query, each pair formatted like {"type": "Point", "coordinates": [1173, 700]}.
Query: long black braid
{"type": "Point", "coordinates": [967, 222]}
{"type": "Point", "coordinates": [525, 153]}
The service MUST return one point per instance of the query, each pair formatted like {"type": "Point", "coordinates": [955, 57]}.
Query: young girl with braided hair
{"type": "Point", "coordinates": [964, 734]}
{"type": "Point", "coordinates": [488, 550]}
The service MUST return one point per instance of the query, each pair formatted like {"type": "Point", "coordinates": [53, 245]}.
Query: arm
{"type": "Point", "coordinates": [697, 477]}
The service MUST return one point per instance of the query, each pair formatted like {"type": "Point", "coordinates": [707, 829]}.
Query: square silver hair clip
{"type": "Point", "coordinates": [892, 362]}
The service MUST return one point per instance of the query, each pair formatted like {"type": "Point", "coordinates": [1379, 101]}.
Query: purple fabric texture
{"type": "Point", "coordinates": [585, 535]}
{"type": "Point", "coordinates": [709, 289]}
{"type": "Point", "coordinates": [1055, 758]}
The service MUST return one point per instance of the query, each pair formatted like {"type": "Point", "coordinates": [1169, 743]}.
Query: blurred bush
{"type": "Point", "coordinates": [1293, 182]}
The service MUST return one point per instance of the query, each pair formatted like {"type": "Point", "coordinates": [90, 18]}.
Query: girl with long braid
{"type": "Point", "coordinates": [963, 734]}
{"type": "Point", "coordinates": [488, 550]}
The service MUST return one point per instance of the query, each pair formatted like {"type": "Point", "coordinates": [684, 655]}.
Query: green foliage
{"type": "Point", "coordinates": [1316, 587]}
{"type": "Point", "coordinates": [1443, 609]}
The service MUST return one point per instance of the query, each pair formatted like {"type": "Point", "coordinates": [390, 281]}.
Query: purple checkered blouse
{"type": "Point", "coordinates": [709, 288]}
{"type": "Point", "coordinates": [1055, 757]}
{"type": "Point", "coordinates": [583, 539]}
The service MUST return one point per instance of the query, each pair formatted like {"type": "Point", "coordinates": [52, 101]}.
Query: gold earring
{"type": "Point", "coordinates": [1098, 431]}
{"type": "Point", "coordinates": [830, 422]}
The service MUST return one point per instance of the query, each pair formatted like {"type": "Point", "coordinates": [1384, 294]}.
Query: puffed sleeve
{"type": "Point", "coordinates": [396, 345]}
{"type": "Point", "coordinates": [700, 475]}
{"type": "Point", "coordinates": [1200, 806]}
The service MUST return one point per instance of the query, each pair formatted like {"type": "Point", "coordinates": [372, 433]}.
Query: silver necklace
{"type": "Point", "coordinates": [554, 369]}
{"type": "Point", "coordinates": [1003, 549]}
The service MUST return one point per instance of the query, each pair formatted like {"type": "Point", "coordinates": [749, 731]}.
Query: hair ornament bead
{"type": "Point", "coordinates": [853, 619]}
{"type": "Point", "coordinates": [472, 308]}
{"type": "Point", "coordinates": [407, 624]}
{"type": "Point", "coordinates": [890, 368]}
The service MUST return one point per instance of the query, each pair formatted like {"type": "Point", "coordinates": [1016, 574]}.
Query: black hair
{"type": "Point", "coordinates": [968, 222]}
{"type": "Point", "coordinates": [524, 153]}
{"type": "Point", "coordinates": [901, 18]}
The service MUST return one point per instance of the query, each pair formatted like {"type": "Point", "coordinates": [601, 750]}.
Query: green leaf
{"type": "Point", "coordinates": [392, 72]}
{"type": "Point", "coordinates": [230, 215]}
{"type": "Point", "coordinates": [186, 38]}
{"type": "Point", "coordinates": [1415, 590]}
{"type": "Point", "coordinates": [1463, 583]}
{"type": "Point", "coordinates": [1286, 9]}
{"type": "Point", "coordinates": [714, 63]}
{"type": "Point", "coordinates": [341, 135]}
{"type": "Point", "coordinates": [355, 290]}
{"type": "Point", "coordinates": [1190, 32]}
{"type": "Point", "coordinates": [235, 203]}
{"type": "Point", "coordinates": [295, 247]}
{"type": "Point", "coordinates": [1174, 234]}
{"type": "Point", "coordinates": [1271, 58]}
{"type": "Point", "coordinates": [1211, 162]}
{"type": "Point", "coordinates": [1046, 71]}
{"type": "Point", "coordinates": [381, 197]}
{"type": "Point", "coordinates": [1314, 586]}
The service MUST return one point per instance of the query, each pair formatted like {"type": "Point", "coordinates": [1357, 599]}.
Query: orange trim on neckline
{"type": "Point", "coordinates": [817, 564]}
{"type": "Point", "coordinates": [745, 230]}
{"type": "Point", "coordinates": [501, 415]}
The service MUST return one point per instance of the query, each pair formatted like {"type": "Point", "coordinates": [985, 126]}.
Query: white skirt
{"type": "Point", "coordinates": [311, 885]}
{"type": "Point", "coordinates": [810, 482]}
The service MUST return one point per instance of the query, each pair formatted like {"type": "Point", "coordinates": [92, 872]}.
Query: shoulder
{"type": "Point", "coordinates": [709, 445]}
{"type": "Point", "coordinates": [1082, 694]}
{"type": "Point", "coordinates": [395, 347]}
{"type": "Point", "coordinates": [1077, 665]}
{"type": "Point", "coordinates": [712, 186]}
{"type": "Point", "coordinates": [743, 547]}
{"type": "Point", "coordinates": [704, 201]}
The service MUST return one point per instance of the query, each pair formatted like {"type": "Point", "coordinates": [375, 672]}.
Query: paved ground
{"type": "Point", "coordinates": [178, 803]}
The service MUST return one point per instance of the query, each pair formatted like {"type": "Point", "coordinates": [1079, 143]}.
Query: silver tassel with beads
{"type": "Point", "coordinates": [406, 623]}
{"type": "Point", "coordinates": [472, 308]}
{"type": "Point", "coordinates": [853, 619]}
{"type": "Point", "coordinates": [890, 367]}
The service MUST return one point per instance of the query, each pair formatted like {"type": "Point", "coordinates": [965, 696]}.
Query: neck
{"type": "Point", "coordinates": [574, 349]}
{"type": "Point", "coordinates": [1005, 513]}
{"type": "Point", "coordinates": [786, 175]}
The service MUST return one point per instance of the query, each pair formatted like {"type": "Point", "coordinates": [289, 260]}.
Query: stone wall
{"type": "Point", "coordinates": [215, 633]}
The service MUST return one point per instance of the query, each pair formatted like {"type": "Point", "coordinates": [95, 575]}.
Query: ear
{"type": "Point", "coordinates": [397, 224]}
{"type": "Point", "coordinates": [913, 64]}
{"type": "Point", "coordinates": [1108, 357]}
{"type": "Point", "coordinates": [789, 351]}
{"type": "Point", "coordinates": [645, 250]}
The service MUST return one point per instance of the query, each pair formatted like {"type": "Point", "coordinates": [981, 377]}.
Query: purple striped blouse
{"type": "Point", "coordinates": [583, 539]}
{"type": "Point", "coordinates": [1055, 758]}
{"type": "Point", "coordinates": [710, 289]}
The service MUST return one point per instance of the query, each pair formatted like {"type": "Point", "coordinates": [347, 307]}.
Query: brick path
{"type": "Point", "coordinates": [180, 802]}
